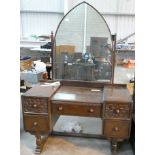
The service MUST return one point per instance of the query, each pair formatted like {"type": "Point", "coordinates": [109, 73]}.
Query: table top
{"type": "Point", "coordinates": [42, 91]}
{"type": "Point", "coordinates": [78, 94]}
{"type": "Point", "coordinates": [81, 94]}
{"type": "Point", "coordinates": [116, 94]}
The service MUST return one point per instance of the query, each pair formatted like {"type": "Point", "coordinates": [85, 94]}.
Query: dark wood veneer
{"type": "Point", "coordinates": [111, 103]}
{"type": "Point", "coordinates": [116, 129]}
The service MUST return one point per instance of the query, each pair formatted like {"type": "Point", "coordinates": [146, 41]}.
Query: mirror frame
{"type": "Point", "coordinates": [113, 41]}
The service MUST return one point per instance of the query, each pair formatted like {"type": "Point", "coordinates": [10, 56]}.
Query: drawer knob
{"type": "Point", "coordinates": [91, 110]}
{"type": "Point", "coordinates": [35, 105]}
{"type": "Point", "coordinates": [60, 108]}
{"type": "Point", "coordinates": [35, 123]}
{"type": "Point", "coordinates": [117, 111]}
{"type": "Point", "coordinates": [115, 129]}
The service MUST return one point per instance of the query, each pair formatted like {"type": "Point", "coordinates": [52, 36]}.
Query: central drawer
{"type": "Point", "coordinates": [76, 109]}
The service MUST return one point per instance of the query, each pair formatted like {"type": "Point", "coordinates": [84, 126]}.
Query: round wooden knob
{"type": "Point", "coordinates": [35, 105]}
{"type": "Point", "coordinates": [91, 110]}
{"type": "Point", "coordinates": [116, 129]}
{"type": "Point", "coordinates": [60, 108]}
{"type": "Point", "coordinates": [117, 111]}
{"type": "Point", "coordinates": [35, 123]}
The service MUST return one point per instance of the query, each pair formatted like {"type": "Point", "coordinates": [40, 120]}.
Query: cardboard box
{"type": "Point", "coordinates": [32, 77]}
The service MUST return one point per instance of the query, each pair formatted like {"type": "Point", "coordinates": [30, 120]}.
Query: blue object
{"type": "Point", "coordinates": [26, 58]}
{"type": "Point", "coordinates": [86, 56]}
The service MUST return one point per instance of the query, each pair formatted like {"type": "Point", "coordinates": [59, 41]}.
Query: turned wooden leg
{"type": "Point", "coordinates": [40, 141]}
{"type": "Point", "coordinates": [114, 147]}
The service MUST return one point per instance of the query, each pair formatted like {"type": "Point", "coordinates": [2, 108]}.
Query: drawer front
{"type": "Point", "coordinates": [117, 110]}
{"type": "Point", "coordinates": [36, 123]}
{"type": "Point", "coordinates": [116, 128]}
{"type": "Point", "coordinates": [91, 110]}
{"type": "Point", "coordinates": [35, 105]}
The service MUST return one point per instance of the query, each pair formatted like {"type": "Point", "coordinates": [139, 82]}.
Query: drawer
{"type": "Point", "coordinates": [77, 109]}
{"type": "Point", "coordinates": [35, 105]}
{"type": "Point", "coordinates": [116, 128]}
{"type": "Point", "coordinates": [36, 123]}
{"type": "Point", "coordinates": [117, 110]}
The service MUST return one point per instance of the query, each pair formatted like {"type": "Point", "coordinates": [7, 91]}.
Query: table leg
{"type": "Point", "coordinates": [40, 141]}
{"type": "Point", "coordinates": [114, 145]}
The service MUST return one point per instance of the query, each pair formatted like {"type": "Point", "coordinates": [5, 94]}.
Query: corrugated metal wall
{"type": "Point", "coordinates": [121, 25]}
{"type": "Point", "coordinates": [42, 17]}
{"type": "Point", "coordinates": [39, 23]}
{"type": "Point", "coordinates": [108, 6]}
{"type": "Point", "coordinates": [42, 5]}
{"type": "Point", "coordinates": [119, 14]}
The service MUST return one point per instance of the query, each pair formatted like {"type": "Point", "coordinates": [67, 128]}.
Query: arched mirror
{"type": "Point", "coordinates": [83, 46]}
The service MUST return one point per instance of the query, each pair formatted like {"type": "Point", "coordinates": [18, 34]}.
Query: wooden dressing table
{"type": "Point", "coordinates": [95, 96]}
{"type": "Point", "coordinates": [111, 103]}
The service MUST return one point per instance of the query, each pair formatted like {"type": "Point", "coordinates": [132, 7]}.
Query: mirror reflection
{"type": "Point", "coordinates": [83, 46]}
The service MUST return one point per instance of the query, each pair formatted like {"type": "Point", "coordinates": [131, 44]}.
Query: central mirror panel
{"type": "Point", "coordinates": [83, 46]}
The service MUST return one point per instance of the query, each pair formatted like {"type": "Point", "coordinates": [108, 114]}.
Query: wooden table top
{"type": "Point", "coordinates": [42, 91]}
{"type": "Point", "coordinates": [78, 94]}
{"type": "Point", "coordinates": [116, 94]}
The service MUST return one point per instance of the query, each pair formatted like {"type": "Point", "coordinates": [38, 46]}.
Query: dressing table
{"type": "Point", "coordinates": [94, 95]}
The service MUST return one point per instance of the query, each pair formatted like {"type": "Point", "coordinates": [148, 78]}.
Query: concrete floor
{"type": "Point", "coordinates": [89, 125]}
{"type": "Point", "coordinates": [98, 146]}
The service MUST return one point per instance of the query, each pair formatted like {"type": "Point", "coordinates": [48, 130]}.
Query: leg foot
{"type": "Point", "coordinates": [40, 141]}
{"type": "Point", "coordinates": [114, 147]}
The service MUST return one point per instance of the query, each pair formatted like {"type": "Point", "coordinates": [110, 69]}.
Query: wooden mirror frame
{"type": "Point", "coordinates": [113, 41]}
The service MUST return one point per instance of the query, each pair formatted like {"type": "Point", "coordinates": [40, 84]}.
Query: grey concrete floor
{"type": "Point", "coordinates": [99, 145]}
{"type": "Point", "coordinates": [89, 125]}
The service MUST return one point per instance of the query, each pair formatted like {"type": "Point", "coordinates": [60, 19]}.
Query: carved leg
{"type": "Point", "coordinates": [40, 141]}
{"type": "Point", "coordinates": [114, 147]}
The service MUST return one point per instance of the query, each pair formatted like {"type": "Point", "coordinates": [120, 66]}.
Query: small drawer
{"type": "Point", "coordinates": [117, 110]}
{"type": "Point", "coordinates": [36, 123]}
{"type": "Point", "coordinates": [116, 128]}
{"type": "Point", "coordinates": [77, 109]}
{"type": "Point", "coordinates": [35, 105]}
